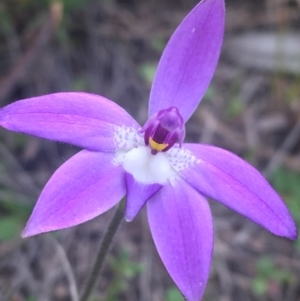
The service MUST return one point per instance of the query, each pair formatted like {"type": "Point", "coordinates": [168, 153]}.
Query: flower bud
{"type": "Point", "coordinates": [163, 130]}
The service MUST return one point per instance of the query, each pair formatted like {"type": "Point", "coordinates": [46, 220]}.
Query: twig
{"type": "Point", "coordinates": [25, 62]}
{"type": "Point", "coordinates": [23, 179]}
{"type": "Point", "coordinates": [67, 268]}
{"type": "Point", "coordinates": [287, 145]}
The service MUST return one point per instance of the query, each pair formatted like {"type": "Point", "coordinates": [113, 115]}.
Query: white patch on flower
{"type": "Point", "coordinates": [119, 157]}
{"type": "Point", "coordinates": [148, 168]}
{"type": "Point", "coordinates": [126, 138]}
{"type": "Point", "coordinates": [181, 158]}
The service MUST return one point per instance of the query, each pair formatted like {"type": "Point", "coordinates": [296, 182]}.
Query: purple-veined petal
{"type": "Point", "coordinates": [181, 227]}
{"type": "Point", "coordinates": [85, 186]}
{"type": "Point", "coordinates": [189, 60]}
{"type": "Point", "coordinates": [137, 195]}
{"type": "Point", "coordinates": [231, 181]}
{"type": "Point", "coordinates": [82, 119]}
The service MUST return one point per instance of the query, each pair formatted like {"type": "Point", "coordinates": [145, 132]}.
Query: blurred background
{"type": "Point", "coordinates": [112, 47]}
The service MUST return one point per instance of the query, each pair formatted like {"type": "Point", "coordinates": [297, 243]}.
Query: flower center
{"type": "Point", "coordinates": [163, 130]}
{"type": "Point", "coordinates": [147, 168]}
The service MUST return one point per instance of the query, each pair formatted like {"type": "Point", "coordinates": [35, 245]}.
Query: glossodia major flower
{"type": "Point", "coordinates": [151, 165]}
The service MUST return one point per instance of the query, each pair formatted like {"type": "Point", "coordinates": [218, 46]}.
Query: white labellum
{"type": "Point", "coordinates": [148, 168]}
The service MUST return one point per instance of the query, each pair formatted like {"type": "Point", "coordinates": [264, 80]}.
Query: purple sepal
{"type": "Point", "coordinates": [82, 119]}
{"type": "Point", "coordinates": [228, 179]}
{"type": "Point", "coordinates": [84, 187]}
{"type": "Point", "coordinates": [182, 230]}
{"type": "Point", "coordinates": [189, 60]}
{"type": "Point", "coordinates": [137, 195]}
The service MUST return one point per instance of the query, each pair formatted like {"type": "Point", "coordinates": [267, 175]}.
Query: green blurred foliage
{"type": "Point", "coordinates": [235, 105]}
{"type": "Point", "coordinates": [123, 270]}
{"type": "Point", "coordinates": [80, 84]}
{"type": "Point", "coordinates": [147, 72]}
{"type": "Point", "coordinates": [210, 94]}
{"type": "Point", "coordinates": [285, 90]}
{"type": "Point", "coordinates": [5, 21]}
{"type": "Point", "coordinates": [69, 5]}
{"type": "Point", "coordinates": [13, 216]}
{"type": "Point", "coordinates": [293, 91]}
{"type": "Point", "coordinates": [159, 44]}
{"type": "Point", "coordinates": [20, 16]}
{"type": "Point", "coordinates": [234, 108]}
{"type": "Point", "coordinates": [173, 294]}
{"type": "Point", "coordinates": [10, 228]}
{"type": "Point", "coordinates": [123, 266]}
{"type": "Point", "coordinates": [269, 275]}
{"type": "Point", "coordinates": [286, 182]}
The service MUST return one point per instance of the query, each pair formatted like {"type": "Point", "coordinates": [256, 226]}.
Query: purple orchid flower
{"type": "Point", "coordinates": [151, 164]}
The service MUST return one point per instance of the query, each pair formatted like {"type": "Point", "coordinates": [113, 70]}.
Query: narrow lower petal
{"type": "Point", "coordinates": [181, 227]}
{"type": "Point", "coordinates": [137, 195]}
{"type": "Point", "coordinates": [85, 186]}
{"type": "Point", "coordinates": [231, 181]}
{"type": "Point", "coordinates": [189, 60]}
{"type": "Point", "coordinates": [86, 120]}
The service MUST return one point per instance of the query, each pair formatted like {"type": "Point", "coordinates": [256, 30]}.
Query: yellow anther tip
{"type": "Point", "coordinates": [157, 146]}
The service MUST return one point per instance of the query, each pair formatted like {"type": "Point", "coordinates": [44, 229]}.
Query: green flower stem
{"type": "Point", "coordinates": [104, 248]}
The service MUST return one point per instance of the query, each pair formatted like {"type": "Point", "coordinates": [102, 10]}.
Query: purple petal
{"type": "Point", "coordinates": [189, 60]}
{"type": "Point", "coordinates": [137, 195]}
{"type": "Point", "coordinates": [85, 186]}
{"type": "Point", "coordinates": [181, 226]}
{"type": "Point", "coordinates": [231, 181]}
{"type": "Point", "coordinates": [82, 119]}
